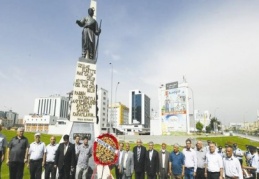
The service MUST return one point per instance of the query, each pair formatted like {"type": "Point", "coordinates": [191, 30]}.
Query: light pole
{"type": "Point", "coordinates": [111, 96]}
{"type": "Point", "coordinates": [115, 103]}
{"type": "Point", "coordinates": [193, 107]}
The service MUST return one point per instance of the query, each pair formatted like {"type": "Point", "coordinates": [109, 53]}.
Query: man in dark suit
{"type": "Point", "coordinates": [139, 153]}
{"type": "Point", "coordinates": [65, 158]}
{"type": "Point", "coordinates": [152, 162]}
{"type": "Point", "coordinates": [163, 162]}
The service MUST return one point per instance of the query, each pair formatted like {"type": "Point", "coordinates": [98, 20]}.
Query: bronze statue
{"type": "Point", "coordinates": [90, 30]}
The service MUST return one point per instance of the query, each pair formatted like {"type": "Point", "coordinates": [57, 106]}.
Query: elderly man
{"type": "Point", "coordinates": [163, 162]}
{"type": "Point", "coordinates": [139, 153]}
{"type": "Point", "coordinates": [214, 164]}
{"type": "Point", "coordinates": [231, 165]}
{"type": "Point", "coordinates": [3, 144]}
{"type": "Point", "coordinates": [36, 153]}
{"type": "Point", "coordinates": [176, 164]}
{"type": "Point", "coordinates": [127, 163]}
{"type": "Point", "coordinates": [151, 164]}
{"type": "Point", "coordinates": [190, 161]}
{"type": "Point", "coordinates": [17, 154]}
{"type": "Point", "coordinates": [201, 158]}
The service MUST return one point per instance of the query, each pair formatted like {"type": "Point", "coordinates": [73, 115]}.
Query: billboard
{"type": "Point", "coordinates": [174, 109]}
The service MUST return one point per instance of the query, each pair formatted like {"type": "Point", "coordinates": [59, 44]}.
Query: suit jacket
{"type": "Point", "coordinates": [152, 166]}
{"type": "Point", "coordinates": [166, 161]}
{"type": "Point", "coordinates": [65, 160]}
{"type": "Point", "coordinates": [139, 166]}
{"type": "Point", "coordinates": [129, 164]}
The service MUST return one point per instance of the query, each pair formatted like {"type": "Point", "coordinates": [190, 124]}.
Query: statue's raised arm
{"type": "Point", "coordinates": [90, 30]}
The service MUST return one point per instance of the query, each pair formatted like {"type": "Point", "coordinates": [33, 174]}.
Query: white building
{"type": "Point", "coordinates": [203, 117]}
{"type": "Point", "coordinates": [54, 105]}
{"type": "Point", "coordinates": [38, 123]}
{"type": "Point", "coordinates": [103, 103]}
{"type": "Point", "coordinates": [139, 108]}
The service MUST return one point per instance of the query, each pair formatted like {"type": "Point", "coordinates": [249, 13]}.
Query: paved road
{"type": "Point", "coordinates": [254, 138]}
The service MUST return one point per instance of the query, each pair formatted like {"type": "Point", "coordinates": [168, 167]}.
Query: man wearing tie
{"type": "Point", "coordinates": [139, 153]}
{"type": "Point", "coordinates": [117, 168]}
{"type": "Point", "coordinates": [163, 162]}
{"type": "Point", "coordinates": [127, 163]}
{"type": "Point", "coordinates": [65, 158]}
{"type": "Point", "coordinates": [152, 165]}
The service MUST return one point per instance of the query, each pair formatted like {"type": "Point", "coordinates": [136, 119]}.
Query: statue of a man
{"type": "Point", "coordinates": [90, 30]}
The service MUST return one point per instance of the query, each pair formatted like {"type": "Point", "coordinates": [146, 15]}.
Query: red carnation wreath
{"type": "Point", "coordinates": [106, 149]}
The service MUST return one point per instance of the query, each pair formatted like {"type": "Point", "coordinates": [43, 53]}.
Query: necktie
{"type": "Point", "coordinates": [138, 153]}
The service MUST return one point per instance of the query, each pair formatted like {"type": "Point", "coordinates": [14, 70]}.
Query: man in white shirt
{"type": "Point", "coordinates": [214, 164]}
{"type": "Point", "coordinates": [232, 167]}
{"type": "Point", "coordinates": [254, 163]}
{"type": "Point", "coordinates": [36, 152]}
{"type": "Point", "coordinates": [238, 153]}
{"type": "Point", "coordinates": [49, 158]}
{"type": "Point", "coordinates": [190, 161]}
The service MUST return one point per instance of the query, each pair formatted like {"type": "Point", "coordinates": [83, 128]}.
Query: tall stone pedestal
{"type": "Point", "coordinates": [83, 104]}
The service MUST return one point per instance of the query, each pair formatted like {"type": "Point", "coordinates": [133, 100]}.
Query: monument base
{"type": "Point", "coordinates": [82, 129]}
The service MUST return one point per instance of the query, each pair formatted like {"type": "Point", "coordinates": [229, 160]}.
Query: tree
{"type": "Point", "coordinates": [199, 126]}
{"type": "Point", "coordinates": [215, 124]}
{"type": "Point", "coordinates": [208, 129]}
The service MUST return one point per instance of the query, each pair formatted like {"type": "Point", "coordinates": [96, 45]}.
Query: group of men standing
{"type": "Point", "coordinates": [71, 160]}
{"type": "Point", "coordinates": [198, 162]}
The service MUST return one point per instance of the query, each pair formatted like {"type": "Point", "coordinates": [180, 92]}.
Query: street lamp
{"type": "Point", "coordinates": [193, 107]}
{"type": "Point", "coordinates": [111, 96]}
{"type": "Point", "coordinates": [115, 103]}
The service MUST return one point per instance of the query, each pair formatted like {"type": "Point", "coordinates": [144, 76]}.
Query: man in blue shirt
{"type": "Point", "coordinates": [176, 164]}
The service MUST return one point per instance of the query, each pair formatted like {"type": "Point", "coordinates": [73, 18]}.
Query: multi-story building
{"type": "Point", "coordinates": [8, 118]}
{"type": "Point", "coordinates": [103, 103]}
{"type": "Point", "coordinates": [203, 117]}
{"type": "Point", "coordinates": [139, 108]}
{"type": "Point", "coordinates": [119, 114]}
{"type": "Point", "coordinates": [38, 123]}
{"type": "Point", "coordinates": [54, 106]}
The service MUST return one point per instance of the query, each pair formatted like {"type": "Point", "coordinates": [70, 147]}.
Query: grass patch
{"type": "Point", "coordinates": [230, 140]}
{"type": "Point", "coordinates": [30, 136]}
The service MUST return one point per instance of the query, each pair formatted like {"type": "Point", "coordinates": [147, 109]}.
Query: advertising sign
{"type": "Point", "coordinates": [173, 110]}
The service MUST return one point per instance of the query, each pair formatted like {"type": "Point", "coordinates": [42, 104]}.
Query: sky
{"type": "Point", "coordinates": [213, 43]}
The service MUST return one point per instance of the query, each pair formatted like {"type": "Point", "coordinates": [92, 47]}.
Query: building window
{"type": "Point", "coordinates": [103, 103]}
{"type": "Point", "coordinates": [103, 108]}
{"type": "Point", "coordinates": [104, 98]}
{"type": "Point", "coordinates": [104, 93]}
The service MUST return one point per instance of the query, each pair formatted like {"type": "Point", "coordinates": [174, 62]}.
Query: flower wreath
{"type": "Point", "coordinates": [105, 150]}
